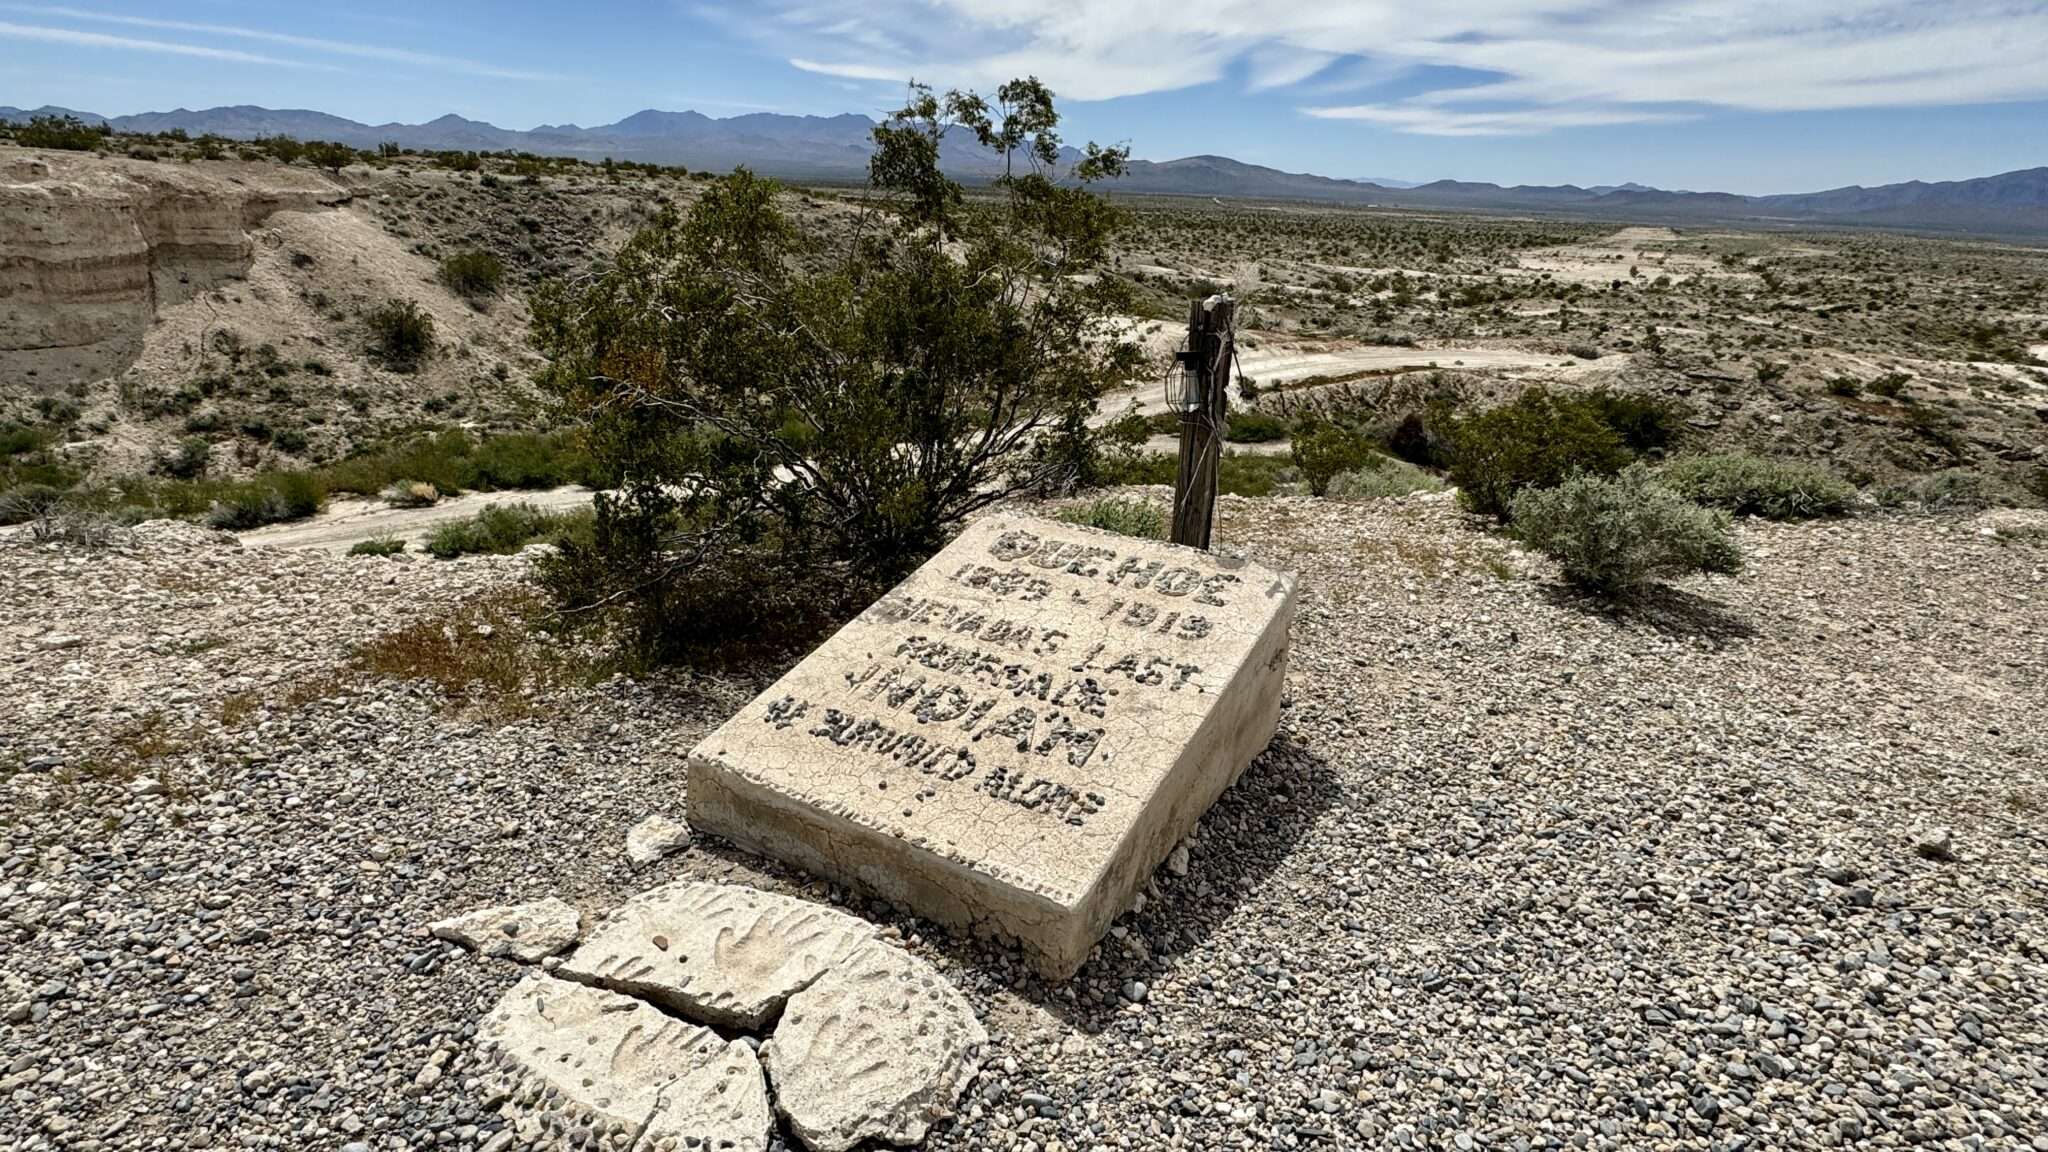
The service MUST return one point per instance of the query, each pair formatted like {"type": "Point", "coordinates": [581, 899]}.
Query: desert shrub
{"type": "Point", "coordinates": [17, 439]}
{"type": "Point", "coordinates": [1384, 479]}
{"type": "Point", "coordinates": [189, 460]}
{"type": "Point", "coordinates": [251, 506]}
{"type": "Point", "coordinates": [1328, 450]}
{"type": "Point", "coordinates": [65, 133]}
{"type": "Point", "coordinates": [1938, 428]}
{"type": "Point", "coordinates": [1537, 441]}
{"type": "Point", "coordinates": [24, 503]}
{"type": "Point", "coordinates": [270, 499]}
{"type": "Point", "coordinates": [377, 546]}
{"type": "Point", "coordinates": [1125, 517]}
{"type": "Point", "coordinates": [1583, 351]}
{"type": "Point", "coordinates": [1771, 371]}
{"type": "Point", "coordinates": [1645, 424]}
{"type": "Point", "coordinates": [292, 440]}
{"type": "Point", "coordinates": [1754, 486]}
{"type": "Point", "coordinates": [1956, 490]}
{"type": "Point", "coordinates": [1891, 385]}
{"type": "Point", "coordinates": [522, 460]}
{"type": "Point", "coordinates": [1255, 427]}
{"type": "Point", "coordinates": [410, 494]}
{"type": "Point", "coordinates": [1847, 387]}
{"type": "Point", "coordinates": [778, 437]}
{"type": "Point", "coordinates": [401, 334]}
{"type": "Point", "coordinates": [1614, 534]}
{"type": "Point", "coordinates": [473, 274]}
{"type": "Point", "coordinates": [499, 529]}
{"type": "Point", "coordinates": [1237, 474]}
{"type": "Point", "coordinates": [329, 155]}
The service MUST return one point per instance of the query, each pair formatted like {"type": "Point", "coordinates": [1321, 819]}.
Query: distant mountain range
{"type": "Point", "coordinates": [835, 148]}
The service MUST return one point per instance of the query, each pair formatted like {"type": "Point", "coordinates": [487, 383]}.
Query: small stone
{"type": "Point", "coordinates": [58, 642]}
{"type": "Point", "coordinates": [523, 932]}
{"type": "Point", "coordinates": [1177, 863]}
{"type": "Point", "coordinates": [1934, 844]}
{"type": "Point", "coordinates": [1136, 991]}
{"type": "Point", "coordinates": [656, 837]}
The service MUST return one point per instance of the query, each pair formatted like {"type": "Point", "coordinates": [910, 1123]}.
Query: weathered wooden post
{"type": "Point", "coordinates": [1201, 397]}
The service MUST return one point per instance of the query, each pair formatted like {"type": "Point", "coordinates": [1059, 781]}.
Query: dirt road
{"type": "Point", "coordinates": [1284, 366]}
{"type": "Point", "coordinates": [346, 522]}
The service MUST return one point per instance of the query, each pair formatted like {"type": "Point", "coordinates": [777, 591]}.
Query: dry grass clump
{"type": "Point", "coordinates": [490, 654]}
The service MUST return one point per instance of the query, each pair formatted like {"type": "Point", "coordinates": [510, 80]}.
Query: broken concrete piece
{"type": "Point", "coordinates": [718, 953]}
{"type": "Point", "coordinates": [879, 1048]}
{"type": "Point", "coordinates": [524, 932]}
{"type": "Point", "coordinates": [1015, 737]}
{"type": "Point", "coordinates": [655, 837]}
{"type": "Point", "coordinates": [622, 1068]}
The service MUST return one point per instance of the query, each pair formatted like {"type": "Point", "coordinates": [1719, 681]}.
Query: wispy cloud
{"type": "Point", "coordinates": [356, 49]}
{"type": "Point", "coordinates": [1545, 64]}
{"type": "Point", "coordinates": [47, 35]}
{"type": "Point", "coordinates": [1423, 120]}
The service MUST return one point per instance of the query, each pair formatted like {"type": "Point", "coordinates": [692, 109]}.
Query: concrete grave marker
{"type": "Point", "coordinates": [1014, 737]}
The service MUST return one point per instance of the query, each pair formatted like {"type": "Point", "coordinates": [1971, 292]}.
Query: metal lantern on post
{"type": "Point", "coordinates": [1187, 386]}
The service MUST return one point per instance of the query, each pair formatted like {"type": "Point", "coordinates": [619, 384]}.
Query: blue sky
{"type": "Point", "coordinates": [1729, 95]}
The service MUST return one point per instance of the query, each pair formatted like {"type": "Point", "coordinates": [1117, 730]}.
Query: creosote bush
{"type": "Point", "coordinates": [377, 546]}
{"type": "Point", "coordinates": [1254, 427]}
{"type": "Point", "coordinates": [401, 334]}
{"type": "Point", "coordinates": [1615, 534]}
{"type": "Point", "coordinates": [781, 430]}
{"type": "Point", "coordinates": [473, 274]}
{"type": "Point", "coordinates": [66, 133]}
{"type": "Point", "coordinates": [499, 529]}
{"type": "Point", "coordinates": [1754, 486]}
{"type": "Point", "coordinates": [1539, 440]}
{"type": "Point", "coordinates": [1122, 516]}
{"type": "Point", "coordinates": [1328, 450]}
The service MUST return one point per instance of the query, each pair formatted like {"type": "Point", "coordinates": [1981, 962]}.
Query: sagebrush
{"type": "Point", "coordinates": [1615, 534]}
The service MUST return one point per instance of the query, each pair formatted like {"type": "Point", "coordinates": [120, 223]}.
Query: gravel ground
{"type": "Point", "coordinates": [1516, 873]}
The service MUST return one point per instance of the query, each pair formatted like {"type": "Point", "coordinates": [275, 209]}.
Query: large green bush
{"type": "Point", "coordinates": [783, 431]}
{"type": "Point", "coordinates": [1614, 534]}
{"type": "Point", "coordinates": [1538, 440]}
{"type": "Point", "coordinates": [1754, 486]}
{"type": "Point", "coordinates": [1328, 450]}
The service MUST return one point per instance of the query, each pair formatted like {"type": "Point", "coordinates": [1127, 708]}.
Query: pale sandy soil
{"type": "Point", "coordinates": [1645, 249]}
{"type": "Point", "coordinates": [344, 523]}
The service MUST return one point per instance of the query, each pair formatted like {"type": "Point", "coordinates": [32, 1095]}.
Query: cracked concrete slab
{"type": "Point", "coordinates": [586, 1058]}
{"type": "Point", "coordinates": [879, 1048]}
{"type": "Point", "coordinates": [1016, 736]}
{"type": "Point", "coordinates": [718, 953]}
